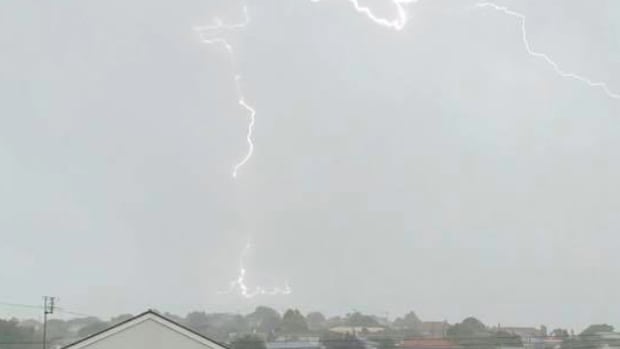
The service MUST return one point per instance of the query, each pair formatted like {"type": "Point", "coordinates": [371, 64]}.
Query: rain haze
{"type": "Point", "coordinates": [439, 168]}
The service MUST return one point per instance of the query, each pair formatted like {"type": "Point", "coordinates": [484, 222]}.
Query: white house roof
{"type": "Point", "coordinates": [149, 317]}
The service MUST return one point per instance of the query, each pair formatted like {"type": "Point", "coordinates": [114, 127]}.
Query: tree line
{"type": "Point", "coordinates": [264, 324]}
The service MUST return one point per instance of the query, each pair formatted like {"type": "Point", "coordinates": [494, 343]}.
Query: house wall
{"type": "Point", "coordinates": [147, 334]}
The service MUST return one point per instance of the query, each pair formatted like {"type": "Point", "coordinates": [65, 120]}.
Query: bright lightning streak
{"type": "Point", "coordinates": [595, 84]}
{"type": "Point", "coordinates": [240, 285]}
{"type": "Point", "coordinates": [397, 24]}
{"type": "Point", "coordinates": [210, 34]}
{"type": "Point", "coordinates": [250, 130]}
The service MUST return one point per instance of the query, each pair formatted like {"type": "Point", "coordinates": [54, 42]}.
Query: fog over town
{"type": "Point", "coordinates": [411, 170]}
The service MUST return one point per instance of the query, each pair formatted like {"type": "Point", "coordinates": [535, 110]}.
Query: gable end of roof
{"type": "Point", "coordinates": [146, 314]}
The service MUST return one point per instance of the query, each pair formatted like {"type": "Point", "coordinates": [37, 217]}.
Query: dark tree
{"type": "Point", "coordinates": [316, 321]}
{"type": "Point", "coordinates": [264, 319]}
{"type": "Point", "coordinates": [409, 321]}
{"type": "Point", "coordinates": [293, 322]}
{"type": "Point", "coordinates": [590, 338]}
{"type": "Point", "coordinates": [471, 333]}
{"type": "Point", "coordinates": [198, 321]}
{"type": "Point", "coordinates": [57, 330]}
{"type": "Point", "coordinates": [229, 323]}
{"type": "Point", "coordinates": [559, 333]}
{"type": "Point", "coordinates": [248, 342]}
{"type": "Point", "coordinates": [596, 329]}
{"type": "Point", "coordinates": [470, 327]}
{"type": "Point", "coordinates": [13, 336]}
{"type": "Point", "coordinates": [474, 324]}
{"type": "Point", "coordinates": [83, 321]}
{"type": "Point", "coordinates": [92, 328]}
{"type": "Point", "coordinates": [332, 340]}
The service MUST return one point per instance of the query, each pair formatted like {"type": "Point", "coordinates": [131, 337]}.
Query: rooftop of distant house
{"type": "Point", "coordinates": [428, 343]}
{"type": "Point", "coordinates": [357, 329]}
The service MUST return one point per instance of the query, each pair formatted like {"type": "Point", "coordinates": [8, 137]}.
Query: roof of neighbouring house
{"type": "Point", "coordinates": [147, 315]}
{"type": "Point", "coordinates": [522, 331]}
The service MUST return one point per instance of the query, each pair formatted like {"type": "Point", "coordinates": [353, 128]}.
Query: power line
{"type": "Point", "coordinates": [31, 306]}
{"type": "Point", "coordinates": [62, 310]}
{"type": "Point", "coordinates": [40, 307]}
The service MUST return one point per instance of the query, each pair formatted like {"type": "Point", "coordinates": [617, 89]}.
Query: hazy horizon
{"type": "Point", "coordinates": [440, 168]}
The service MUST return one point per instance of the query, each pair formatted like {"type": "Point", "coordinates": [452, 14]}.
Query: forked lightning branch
{"type": "Point", "coordinates": [214, 35]}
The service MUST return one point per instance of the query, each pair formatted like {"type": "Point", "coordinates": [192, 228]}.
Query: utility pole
{"type": "Point", "coordinates": [48, 308]}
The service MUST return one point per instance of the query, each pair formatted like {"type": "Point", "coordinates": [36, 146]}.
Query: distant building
{"type": "Point", "coordinates": [609, 340]}
{"type": "Point", "coordinates": [531, 337]}
{"type": "Point", "coordinates": [148, 330]}
{"type": "Point", "coordinates": [553, 342]}
{"type": "Point", "coordinates": [434, 329]}
{"type": "Point", "coordinates": [356, 329]}
{"type": "Point", "coordinates": [610, 336]}
{"type": "Point", "coordinates": [428, 343]}
{"type": "Point", "coordinates": [523, 332]}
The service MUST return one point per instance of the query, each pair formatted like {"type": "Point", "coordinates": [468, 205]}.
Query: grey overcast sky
{"type": "Point", "coordinates": [440, 168]}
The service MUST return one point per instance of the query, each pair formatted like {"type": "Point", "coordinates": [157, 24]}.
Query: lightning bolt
{"type": "Point", "coordinates": [240, 285]}
{"type": "Point", "coordinates": [402, 18]}
{"type": "Point", "coordinates": [397, 23]}
{"type": "Point", "coordinates": [528, 47]}
{"type": "Point", "coordinates": [211, 35]}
